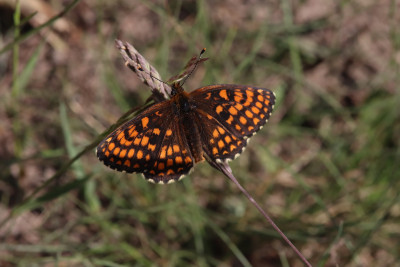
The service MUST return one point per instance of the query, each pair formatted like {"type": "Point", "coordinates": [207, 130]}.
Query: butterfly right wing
{"type": "Point", "coordinates": [228, 115]}
{"type": "Point", "coordinates": [151, 143]}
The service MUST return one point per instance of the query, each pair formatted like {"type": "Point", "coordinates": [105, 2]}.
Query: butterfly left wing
{"type": "Point", "coordinates": [227, 115]}
{"type": "Point", "coordinates": [150, 144]}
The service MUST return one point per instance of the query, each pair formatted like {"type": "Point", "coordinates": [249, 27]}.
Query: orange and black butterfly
{"type": "Point", "coordinates": [166, 140]}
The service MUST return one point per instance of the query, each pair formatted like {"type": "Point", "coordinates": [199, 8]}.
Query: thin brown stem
{"type": "Point", "coordinates": [225, 169]}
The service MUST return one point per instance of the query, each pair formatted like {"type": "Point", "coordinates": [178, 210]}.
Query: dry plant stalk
{"type": "Point", "coordinates": [146, 72]}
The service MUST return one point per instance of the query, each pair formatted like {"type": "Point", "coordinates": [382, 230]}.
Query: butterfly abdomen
{"type": "Point", "coordinates": [186, 110]}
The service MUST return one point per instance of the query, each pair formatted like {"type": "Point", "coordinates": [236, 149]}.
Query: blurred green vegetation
{"type": "Point", "coordinates": [326, 166]}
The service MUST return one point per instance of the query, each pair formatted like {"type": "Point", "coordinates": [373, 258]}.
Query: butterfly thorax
{"type": "Point", "coordinates": [184, 110]}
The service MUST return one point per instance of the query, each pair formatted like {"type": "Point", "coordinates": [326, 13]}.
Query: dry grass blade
{"type": "Point", "coordinates": [225, 169]}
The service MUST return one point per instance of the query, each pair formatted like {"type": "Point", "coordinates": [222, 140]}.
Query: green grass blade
{"type": "Point", "coordinates": [48, 23]}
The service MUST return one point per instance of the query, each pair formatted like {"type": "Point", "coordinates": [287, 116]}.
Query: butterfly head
{"type": "Point", "coordinates": [176, 82]}
{"type": "Point", "coordinates": [176, 88]}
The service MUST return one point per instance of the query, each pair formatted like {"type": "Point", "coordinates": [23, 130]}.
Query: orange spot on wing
{"type": "Point", "coordinates": [176, 148]}
{"type": "Point", "coordinates": [111, 146]}
{"type": "Point", "coordinates": [188, 160]}
{"type": "Point", "coordinates": [239, 94]}
{"type": "Point", "coordinates": [221, 144]}
{"type": "Point", "coordinates": [123, 141]}
{"type": "Point", "coordinates": [260, 98]}
{"type": "Point", "coordinates": [123, 153]}
{"type": "Point", "coordinates": [170, 162]}
{"type": "Point", "coordinates": [228, 139]}
{"type": "Point", "coordinates": [145, 121]}
{"type": "Point", "coordinates": [232, 111]}
{"type": "Point", "coordinates": [249, 114]}
{"type": "Point", "coordinates": [168, 132]}
{"type": "Point", "coordinates": [169, 151]}
{"type": "Point", "coordinates": [136, 166]}
{"type": "Point", "coordinates": [255, 110]}
{"type": "Point", "coordinates": [133, 133]}
{"type": "Point", "coordinates": [208, 96]}
{"type": "Point", "coordinates": [256, 121]}
{"type": "Point", "coordinates": [170, 172]}
{"type": "Point", "coordinates": [219, 109]}
{"type": "Point", "coordinates": [120, 136]}
{"type": "Point", "coordinates": [137, 141]}
{"type": "Point", "coordinates": [242, 120]}
{"type": "Point", "coordinates": [249, 92]}
{"type": "Point", "coordinates": [178, 160]}
{"type": "Point", "coordinates": [161, 166]}
{"type": "Point", "coordinates": [128, 143]}
{"type": "Point", "coordinates": [233, 147]}
{"type": "Point", "coordinates": [151, 147]}
{"type": "Point", "coordinates": [220, 130]}
{"type": "Point", "coordinates": [107, 153]}
{"type": "Point", "coordinates": [147, 157]}
{"type": "Point", "coordinates": [258, 104]}
{"type": "Point", "coordinates": [215, 151]}
{"type": "Point", "coordinates": [266, 102]}
{"type": "Point", "coordinates": [119, 162]}
{"type": "Point", "coordinates": [163, 152]}
{"type": "Point", "coordinates": [250, 128]}
{"type": "Point", "coordinates": [156, 131]}
{"type": "Point", "coordinates": [116, 151]}
{"type": "Point", "coordinates": [145, 140]}
{"type": "Point", "coordinates": [230, 119]}
{"type": "Point", "coordinates": [127, 163]}
{"type": "Point", "coordinates": [215, 133]}
{"type": "Point", "coordinates": [238, 106]}
{"type": "Point", "coordinates": [131, 152]}
{"type": "Point", "coordinates": [248, 102]}
{"type": "Point", "coordinates": [139, 154]}
{"type": "Point", "coordinates": [223, 94]}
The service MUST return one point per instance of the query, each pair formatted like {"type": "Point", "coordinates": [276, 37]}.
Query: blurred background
{"type": "Point", "coordinates": [325, 167]}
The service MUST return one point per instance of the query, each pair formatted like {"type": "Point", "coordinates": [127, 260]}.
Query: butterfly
{"type": "Point", "coordinates": [167, 139]}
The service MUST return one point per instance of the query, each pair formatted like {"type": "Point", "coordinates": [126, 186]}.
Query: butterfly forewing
{"type": "Point", "coordinates": [227, 115]}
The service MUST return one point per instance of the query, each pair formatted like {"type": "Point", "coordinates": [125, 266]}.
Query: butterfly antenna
{"type": "Point", "coordinates": [195, 65]}
{"type": "Point", "coordinates": [140, 68]}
